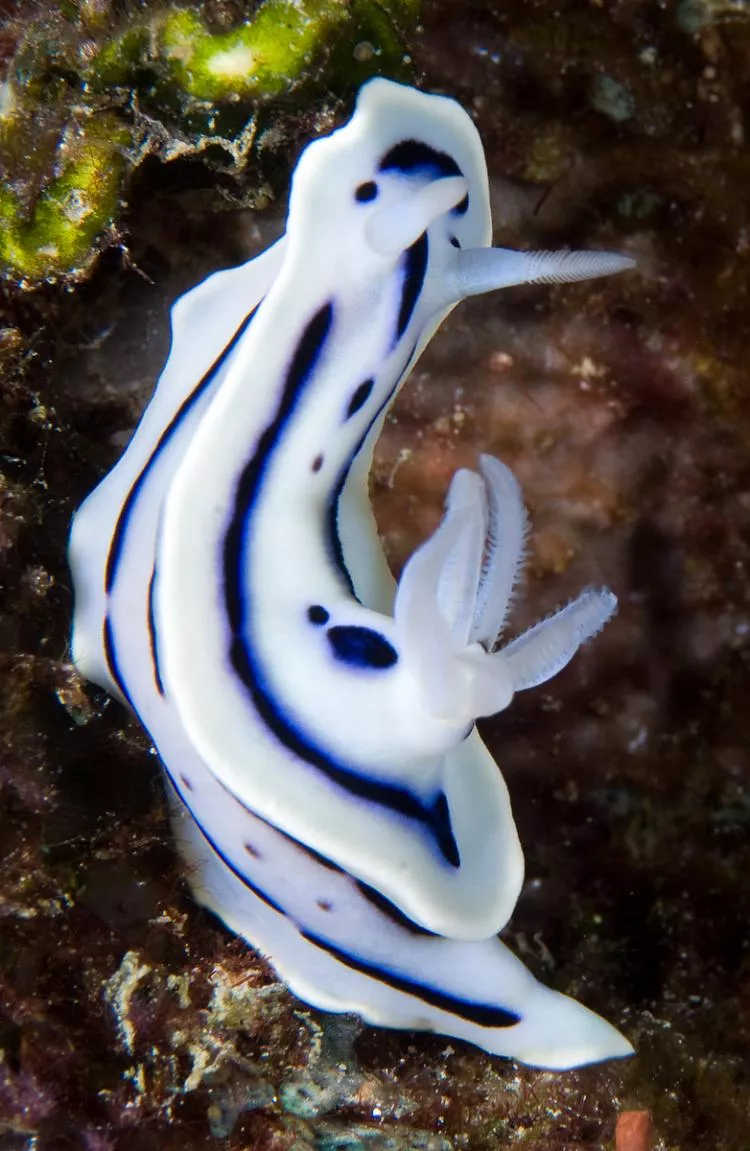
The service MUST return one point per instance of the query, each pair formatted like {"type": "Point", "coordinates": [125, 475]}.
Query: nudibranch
{"type": "Point", "coordinates": [317, 722]}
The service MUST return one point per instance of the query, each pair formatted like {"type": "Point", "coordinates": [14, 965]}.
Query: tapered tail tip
{"type": "Point", "coordinates": [563, 1034]}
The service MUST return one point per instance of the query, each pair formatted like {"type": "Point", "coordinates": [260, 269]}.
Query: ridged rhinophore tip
{"type": "Point", "coordinates": [480, 270]}
{"type": "Point", "coordinates": [567, 267]}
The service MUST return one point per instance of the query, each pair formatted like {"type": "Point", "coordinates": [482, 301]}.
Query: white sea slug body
{"type": "Point", "coordinates": [315, 721]}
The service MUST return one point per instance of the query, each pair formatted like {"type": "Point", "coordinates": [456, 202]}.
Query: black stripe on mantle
{"type": "Point", "coordinates": [435, 817]}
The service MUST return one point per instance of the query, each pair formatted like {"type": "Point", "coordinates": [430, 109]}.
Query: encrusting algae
{"type": "Point", "coordinates": [91, 91]}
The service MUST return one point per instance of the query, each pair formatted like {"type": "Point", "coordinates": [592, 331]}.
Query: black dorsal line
{"type": "Point", "coordinates": [152, 634]}
{"type": "Point", "coordinates": [482, 1014]}
{"type": "Point", "coordinates": [123, 520]}
{"type": "Point", "coordinates": [415, 268]}
{"type": "Point", "coordinates": [248, 883]}
{"type": "Point", "coordinates": [248, 492]}
{"type": "Point", "coordinates": [334, 538]}
{"type": "Point", "coordinates": [113, 664]}
{"type": "Point", "coordinates": [249, 487]}
{"type": "Point", "coordinates": [121, 527]}
{"type": "Point", "coordinates": [314, 856]}
{"type": "Point", "coordinates": [391, 911]}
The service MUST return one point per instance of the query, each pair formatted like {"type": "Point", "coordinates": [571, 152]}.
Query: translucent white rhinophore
{"type": "Point", "coordinates": [330, 790]}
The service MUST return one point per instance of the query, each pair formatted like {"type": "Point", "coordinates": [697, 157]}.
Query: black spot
{"type": "Point", "coordinates": [186, 783]}
{"type": "Point", "coordinates": [366, 192]}
{"type": "Point", "coordinates": [361, 647]}
{"type": "Point", "coordinates": [253, 851]}
{"type": "Point", "coordinates": [455, 241]}
{"type": "Point", "coordinates": [317, 614]}
{"type": "Point", "coordinates": [413, 155]}
{"type": "Point", "coordinates": [360, 398]}
{"type": "Point", "coordinates": [461, 208]}
{"type": "Point", "coordinates": [414, 274]}
{"type": "Point", "coordinates": [317, 463]}
{"type": "Point", "coordinates": [324, 905]}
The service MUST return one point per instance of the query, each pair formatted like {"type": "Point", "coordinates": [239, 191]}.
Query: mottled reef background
{"type": "Point", "coordinates": [144, 145]}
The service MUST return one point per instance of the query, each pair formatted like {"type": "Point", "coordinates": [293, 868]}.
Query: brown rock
{"type": "Point", "coordinates": [634, 1131]}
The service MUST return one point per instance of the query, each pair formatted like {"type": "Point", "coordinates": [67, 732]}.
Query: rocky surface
{"type": "Point", "coordinates": [129, 1019]}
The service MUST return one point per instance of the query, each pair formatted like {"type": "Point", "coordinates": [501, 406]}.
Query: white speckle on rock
{"type": "Point", "coordinates": [119, 990]}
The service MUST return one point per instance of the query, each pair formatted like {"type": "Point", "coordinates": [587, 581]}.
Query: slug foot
{"type": "Point", "coordinates": [453, 600]}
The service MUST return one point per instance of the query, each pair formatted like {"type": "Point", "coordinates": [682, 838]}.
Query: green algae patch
{"type": "Point", "coordinates": [283, 44]}
{"type": "Point", "coordinates": [216, 83]}
{"type": "Point", "coordinates": [262, 57]}
{"type": "Point", "coordinates": [374, 46]}
{"type": "Point", "coordinates": [58, 234]}
{"type": "Point", "coordinates": [117, 59]}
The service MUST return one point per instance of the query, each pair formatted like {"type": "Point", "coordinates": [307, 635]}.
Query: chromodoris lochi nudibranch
{"type": "Point", "coordinates": [316, 721]}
